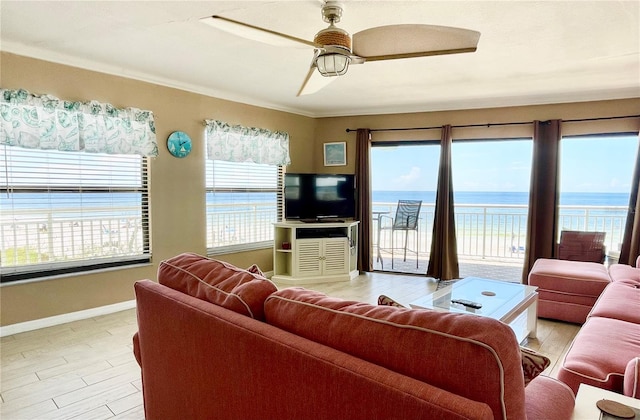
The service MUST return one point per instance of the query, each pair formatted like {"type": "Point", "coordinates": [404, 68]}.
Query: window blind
{"type": "Point", "coordinates": [65, 211]}
{"type": "Point", "coordinates": [244, 199]}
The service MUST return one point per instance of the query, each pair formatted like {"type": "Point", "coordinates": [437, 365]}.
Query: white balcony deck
{"type": "Point", "coordinates": [469, 267]}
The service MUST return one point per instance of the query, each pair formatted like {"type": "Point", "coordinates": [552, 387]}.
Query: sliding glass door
{"type": "Point", "coordinates": [403, 173]}
{"type": "Point", "coordinates": [491, 195]}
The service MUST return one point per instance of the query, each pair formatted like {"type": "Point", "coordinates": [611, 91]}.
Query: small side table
{"type": "Point", "coordinates": [588, 396]}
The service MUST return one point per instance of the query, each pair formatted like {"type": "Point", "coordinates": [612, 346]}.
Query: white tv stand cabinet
{"type": "Point", "coordinates": [315, 252]}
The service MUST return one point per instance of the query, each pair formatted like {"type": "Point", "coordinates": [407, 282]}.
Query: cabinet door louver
{"type": "Point", "coordinates": [308, 256]}
{"type": "Point", "coordinates": [335, 252]}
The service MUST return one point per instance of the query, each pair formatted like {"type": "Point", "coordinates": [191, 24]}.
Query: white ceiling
{"type": "Point", "coordinates": [530, 52]}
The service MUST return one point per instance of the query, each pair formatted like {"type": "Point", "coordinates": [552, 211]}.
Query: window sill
{"type": "Point", "coordinates": [74, 274]}
{"type": "Point", "coordinates": [233, 249]}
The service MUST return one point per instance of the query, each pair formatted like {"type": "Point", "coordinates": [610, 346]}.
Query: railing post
{"type": "Point", "coordinates": [50, 235]}
{"type": "Point", "coordinates": [484, 232]}
{"type": "Point", "coordinates": [586, 220]}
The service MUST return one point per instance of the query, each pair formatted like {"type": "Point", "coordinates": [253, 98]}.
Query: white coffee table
{"type": "Point", "coordinates": [588, 396]}
{"type": "Point", "coordinates": [512, 303]}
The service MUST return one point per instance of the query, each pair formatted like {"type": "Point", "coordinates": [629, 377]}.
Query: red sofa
{"type": "Point", "coordinates": [218, 342]}
{"type": "Point", "coordinates": [606, 351]}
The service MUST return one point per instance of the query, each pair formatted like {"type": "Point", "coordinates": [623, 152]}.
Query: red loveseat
{"type": "Point", "coordinates": [218, 342]}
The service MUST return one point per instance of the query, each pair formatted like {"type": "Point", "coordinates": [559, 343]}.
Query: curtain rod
{"type": "Point", "coordinates": [493, 124]}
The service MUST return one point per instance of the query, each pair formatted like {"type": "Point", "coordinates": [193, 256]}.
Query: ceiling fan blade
{"type": "Point", "coordinates": [314, 81]}
{"type": "Point", "coordinates": [406, 41]}
{"type": "Point", "coordinates": [256, 33]}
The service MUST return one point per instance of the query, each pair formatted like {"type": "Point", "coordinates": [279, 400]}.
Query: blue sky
{"type": "Point", "coordinates": [598, 164]}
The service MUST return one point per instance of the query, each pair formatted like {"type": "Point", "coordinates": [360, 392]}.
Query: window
{"type": "Point", "coordinates": [595, 184]}
{"type": "Point", "coordinates": [244, 199]}
{"type": "Point", "coordinates": [63, 212]}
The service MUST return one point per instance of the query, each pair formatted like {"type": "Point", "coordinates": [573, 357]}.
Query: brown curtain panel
{"type": "Point", "coordinates": [631, 239]}
{"type": "Point", "coordinates": [543, 195]}
{"type": "Point", "coordinates": [443, 260]}
{"type": "Point", "coordinates": [363, 177]}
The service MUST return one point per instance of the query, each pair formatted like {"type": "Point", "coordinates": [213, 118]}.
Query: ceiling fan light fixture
{"type": "Point", "coordinates": [332, 64]}
{"type": "Point", "coordinates": [335, 57]}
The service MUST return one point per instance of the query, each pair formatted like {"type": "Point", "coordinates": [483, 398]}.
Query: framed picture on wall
{"type": "Point", "coordinates": [335, 154]}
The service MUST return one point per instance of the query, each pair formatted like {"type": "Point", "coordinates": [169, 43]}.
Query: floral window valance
{"type": "Point", "coordinates": [246, 144]}
{"type": "Point", "coordinates": [48, 123]}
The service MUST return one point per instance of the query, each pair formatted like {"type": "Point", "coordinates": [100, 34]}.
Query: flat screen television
{"type": "Point", "coordinates": [319, 197]}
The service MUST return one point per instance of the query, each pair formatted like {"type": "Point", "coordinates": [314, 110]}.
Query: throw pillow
{"type": "Point", "coordinates": [533, 363]}
{"type": "Point", "coordinates": [256, 270]}
{"type": "Point", "coordinates": [217, 282]}
{"type": "Point", "coordinates": [387, 301]}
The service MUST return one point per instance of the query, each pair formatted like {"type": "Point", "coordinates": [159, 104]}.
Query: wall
{"type": "Point", "coordinates": [177, 185]}
{"type": "Point", "coordinates": [334, 129]}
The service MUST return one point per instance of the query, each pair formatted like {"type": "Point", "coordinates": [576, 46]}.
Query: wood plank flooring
{"type": "Point", "coordinates": [86, 369]}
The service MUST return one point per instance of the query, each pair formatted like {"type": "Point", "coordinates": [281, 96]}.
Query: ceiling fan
{"type": "Point", "coordinates": [335, 49]}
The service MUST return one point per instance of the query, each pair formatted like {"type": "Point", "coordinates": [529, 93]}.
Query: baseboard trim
{"type": "Point", "coordinates": [36, 324]}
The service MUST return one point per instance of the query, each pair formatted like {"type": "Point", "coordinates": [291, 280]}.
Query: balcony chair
{"type": "Point", "coordinates": [405, 220]}
{"type": "Point", "coordinates": [581, 246]}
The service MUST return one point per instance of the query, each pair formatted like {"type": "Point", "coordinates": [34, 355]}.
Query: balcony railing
{"type": "Point", "coordinates": [498, 231]}
{"type": "Point", "coordinates": [483, 230]}
{"type": "Point", "coordinates": [239, 224]}
{"type": "Point", "coordinates": [33, 237]}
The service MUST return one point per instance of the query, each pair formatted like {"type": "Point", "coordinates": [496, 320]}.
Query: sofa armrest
{"type": "Point", "coordinates": [548, 398]}
{"type": "Point", "coordinates": [136, 349]}
{"type": "Point", "coordinates": [631, 385]}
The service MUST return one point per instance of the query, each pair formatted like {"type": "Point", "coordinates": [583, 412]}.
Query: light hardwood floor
{"type": "Point", "coordinates": [86, 369]}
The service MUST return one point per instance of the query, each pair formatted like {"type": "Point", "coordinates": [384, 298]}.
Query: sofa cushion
{"type": "Point", "coordinates": [620, 300]}
{"type": "Point", "coordinates": [590, 361]}
{"type": "Point", "coordinates": [619, 272]}
{"type": "Point", "coordinates": [632, 378]}
{"type": "Point", "coordinates": [569, 277]}
{"type": "Point", "coordinates": [533, 363]}
{"type": "Point", "coordinates": [217, 282]}
{"type": "Point", "coordinates": [473, 356]}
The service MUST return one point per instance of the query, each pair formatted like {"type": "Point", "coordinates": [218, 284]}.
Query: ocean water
{"type": "Point", "coordinates": [506, 198]}
{"type": "Point", "coordinates": [75, 200]}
